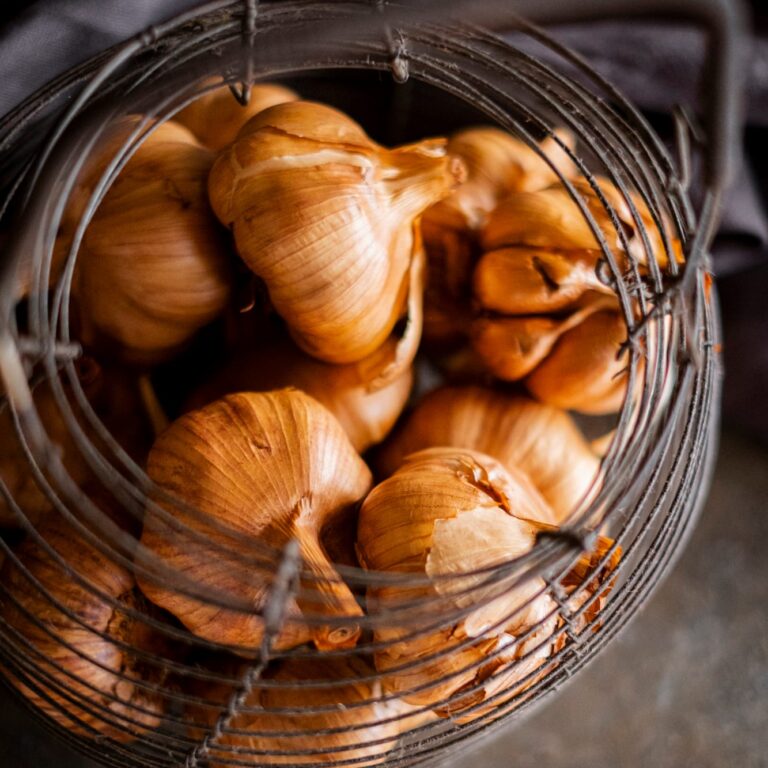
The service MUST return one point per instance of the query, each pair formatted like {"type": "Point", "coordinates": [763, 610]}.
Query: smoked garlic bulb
{"type": "Point", "coordinates": [93, 683]}
{"type": "Point", "coordinates": [152, 268]}
{"type": "Point", "coordinates": [327, 218]}
{"type": "Point", "coordinates": [497, 164]}
{"type": "Point", "coordinates": [217, 116]}
{"type": "Point", "coordinates": [366, 413]}
{"type": "Point", "coordinates": [544, 316]}
{"type": "Point", "coordinates": [446, 514]}
{"type": "Point", "coordinates": [354, 708]}
{"type": "Point", "coordinates": [115, 398]}
{"type": "Point", "coordinates": [522, 434]}
{"type": "Point", "coordinates": [260, 469]}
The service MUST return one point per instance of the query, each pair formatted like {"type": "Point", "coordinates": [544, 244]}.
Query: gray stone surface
{"type": "Point", "coordinates": [685, 686]}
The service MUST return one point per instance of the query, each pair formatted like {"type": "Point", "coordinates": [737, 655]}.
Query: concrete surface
{"type": "Point", "coordinates": [686, 686]}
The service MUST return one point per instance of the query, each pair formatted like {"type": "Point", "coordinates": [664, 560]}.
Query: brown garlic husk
{"type": "Point", "coordinates": [445, 514]}
{"type": "Point", "coordinates": [260, 469]}
{"type": "Point", "coordinates": [216, 117]}
{"type": "Point", "coordinates": [591, 576]}
{"type": "Point", "coordinates": [365, 413]}
{"type": "Point", "coordinates": [522, 434]}
{"type": "Point", "coordinates": [153, 267]}
{"type": "Point", "coordinates": [497, 164]}
{"type": "Point", "coordinates": [87, 682]}
{"type": "Point", "coordinates": [115, 398]}
{"type": "Point", "coordinates": [332, 696]}
{"type": "Point", "coordinates": [326, 217]}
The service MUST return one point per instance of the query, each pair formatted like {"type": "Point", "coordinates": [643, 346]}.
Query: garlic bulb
{"type": "Point", "coordinates": [261, 468]}
{"type": "Point", "coordinates": [79, 663]}
{"type": "Point", "coordinates": [354, 708]}
{"type": "Point", "coordinates": [522, 434]}
{"type": "Point", "coordinates": [152, 268]}
{"type": "Point", "coordinates": [216, 117]}
{"type": "Point", "coordinates": [366, 414]}
{"type": "Point", "coordinates": [326, 218]}
{"type": "Point", "coordinates": [447, 514]}
{"type": "Point", "coordinates": [497, 164]}
{"type": "Point", "coordinates": [114, 397]}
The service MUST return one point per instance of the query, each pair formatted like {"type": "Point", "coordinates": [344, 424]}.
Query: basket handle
{"type": "Point", "coordinates": [722, 71]}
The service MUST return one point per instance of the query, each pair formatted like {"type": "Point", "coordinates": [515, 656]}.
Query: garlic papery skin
{"type": "Point", "coordinates": [216, 117]}
{"type": "Point", "coordinates": [447, 515]}
{"type": "Point", "coordinates": [152, 268]}
{"type": "Point", "coordinates": [367, 415]}
{"type": "Point", "coordinates": [74, 636]}
{"type": "Point", "coordinates": [326, 218]}
{"type": "Point", "coordinates": [364, 725]}
{"type": "Point", "coordinates": [522, 434]}
{"type": "Point", "coordinates": [260, 469]}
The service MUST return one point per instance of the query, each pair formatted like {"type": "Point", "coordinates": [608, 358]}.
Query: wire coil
{"type": "Point", "coordinates": [647, 496]}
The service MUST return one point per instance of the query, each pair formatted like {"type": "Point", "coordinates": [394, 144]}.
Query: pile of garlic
{"type": "Point", "coordinates": [350, 255]}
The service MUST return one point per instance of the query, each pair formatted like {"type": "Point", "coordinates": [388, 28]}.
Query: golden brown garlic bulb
{"type": "Point", "coordinates": [152, 268]}
{"type": "Point", "coordinates": [367, 414]}
{"type": "Point", "coordinates": [447, 514]}
{"type": "Point", "coordinates": [78, 663]}
{"type": "Point", "coordinates": [115, 398]}
{"type": "Point", "coordinates": [261, 469]}
{"type": "Point", "coordinates": [522, 434]}
{"type": "Point", "coordinates": [216, 117]}
{"type": "Point", "coordinates": [497, 164]}
{"type": "Point", "coordinates": [544, 316]}
{"type": "Point", "coordinates": [326, 217]}
{"type": "Point", "coordinates": [352, 706]}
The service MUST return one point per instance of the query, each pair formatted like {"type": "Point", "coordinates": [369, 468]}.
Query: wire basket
{"type": "Point", "coordinates": [181, 700]}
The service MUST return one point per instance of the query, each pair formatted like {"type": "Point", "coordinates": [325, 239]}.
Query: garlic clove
{"type": "Point", "coordinates": [325, 217]}
{"type": "Point", "coordinates": [522, 434]}
{"type": "Point", "coordinates": [585, 370]}
{"type": "Point", "coordinates": [261, 468]}
{"type": "Point", "coordinates": [547, 218]}
{"type": "Point", "coordinates": [332, 696]}
{"type": "Point", "coordinates": [143, 291]}
{"type": "Point", "coordinates": [216, 117]}
{"type": "Point", "coordinates": [84, 657]}
{"type": "Point", "coordinates": [524, 281]}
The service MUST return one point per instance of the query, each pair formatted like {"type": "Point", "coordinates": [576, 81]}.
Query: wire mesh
{"type": "Point", "coordinates": [126, 682]}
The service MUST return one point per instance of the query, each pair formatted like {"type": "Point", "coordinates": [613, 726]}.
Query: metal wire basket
{"type": "Point", "coordinates": [192, 704]}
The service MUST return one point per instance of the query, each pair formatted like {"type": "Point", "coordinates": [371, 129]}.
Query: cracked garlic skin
{"type": "Point", "coordinates": [522, 434]}
{"type": "Point", "coordinates": [326, 218]}
{"type": "Point", "coordinates": [366, 725]}
{"type": "Point", "coordinates": [216, 117]}
{"type": "Point", "coordinates": [367, 414]}
{"type": "Point", "coordinates": [152, 268]}
{"type": "Point", "coordinates": [79, 654]}
{"type": "Point", "coordinates": [253, 471]}
{"type": "Point", "coordinates": [447, 514]}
